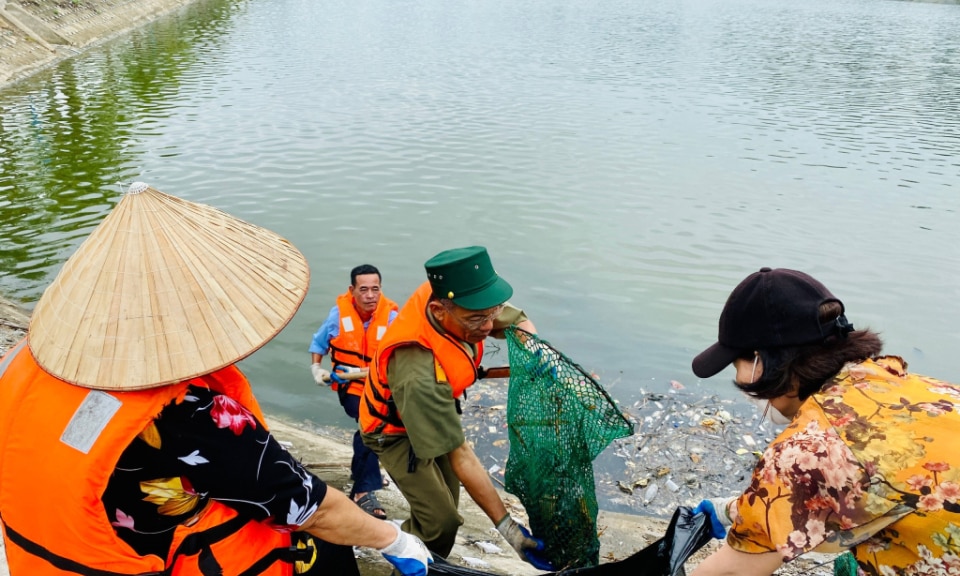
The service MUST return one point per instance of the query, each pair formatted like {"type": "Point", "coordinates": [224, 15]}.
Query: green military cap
{"type": "Point", "coordinates": [466, 276]}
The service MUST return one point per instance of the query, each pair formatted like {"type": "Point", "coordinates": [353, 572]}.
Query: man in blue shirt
{"type": "Point", "coordinates": [351, 334]}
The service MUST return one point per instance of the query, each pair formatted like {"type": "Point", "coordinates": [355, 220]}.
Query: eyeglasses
{"type": "Point", "coordinates": [475, 321]}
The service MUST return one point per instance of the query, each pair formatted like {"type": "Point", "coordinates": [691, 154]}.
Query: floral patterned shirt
{"type": "Point", "coordinates": [868, 463]}
{"type": "Point", "coordinates": [207, 446]}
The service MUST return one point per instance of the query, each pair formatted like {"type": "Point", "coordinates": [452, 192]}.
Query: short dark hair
{"type": "Point", "coordinates": [812, 364]}
{"type": "Point", "coordinates": [362, 270]}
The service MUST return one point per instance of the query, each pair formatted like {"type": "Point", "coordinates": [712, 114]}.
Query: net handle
{"type": "Point", "coordinates": [493, 372]}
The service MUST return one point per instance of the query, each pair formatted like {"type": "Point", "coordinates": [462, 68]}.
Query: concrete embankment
{"type": "Point", "coordinates": [37, 33]}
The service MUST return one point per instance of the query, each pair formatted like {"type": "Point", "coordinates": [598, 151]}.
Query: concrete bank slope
{"type": "Point", "coordinates": [38, 33]}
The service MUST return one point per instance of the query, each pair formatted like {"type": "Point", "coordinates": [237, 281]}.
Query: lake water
{"type": "Point", "coordinates": [626, 163]}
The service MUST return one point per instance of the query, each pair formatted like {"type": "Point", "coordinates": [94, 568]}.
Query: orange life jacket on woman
{"type": "Point", "coordinates": [453, 363]}
{"type": "Point", "coordinates": [59, 444]}
{"type": "Point", "coordinates": [355, 345]}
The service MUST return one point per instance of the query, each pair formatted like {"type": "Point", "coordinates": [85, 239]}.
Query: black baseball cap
{"type": "Point", "coordinates": [771, 308]}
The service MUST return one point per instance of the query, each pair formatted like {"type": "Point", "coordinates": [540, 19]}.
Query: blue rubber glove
{"type": "Point", "coordinates": [526, 545]}
{"type": "Point", "coordinates": [408, 554]}
{"type": "Point", "coordinates": [336, 379]}
{"type": "Point", "coordinates": [717, 509]}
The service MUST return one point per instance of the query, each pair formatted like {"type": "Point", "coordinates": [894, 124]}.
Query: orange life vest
{"type": "Point", "coordinates": [452, 362]}
{"type": "Point", "coordinates": [355, 345]}
{"type": "Point", "coordinates": [59, 444]}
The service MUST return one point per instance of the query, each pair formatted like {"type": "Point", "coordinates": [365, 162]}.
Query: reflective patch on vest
{"type": "Point", "coordinates": [347, 324]}
{"type": "Point", "coordinates": [10, 356]}
{"type": "Point", "coordinates": [381, 330]}
{"type": "Point", "coordinates": [91, 417]}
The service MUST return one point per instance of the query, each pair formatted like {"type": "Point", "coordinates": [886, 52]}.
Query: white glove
{"type": "Point", "coordinates": [718, 511]}
{"type": "Point", "coordinates": [320, 376]}
{"type": "Point", "coordinates": [726, 508]}
{"type": "Point", "coordinates": [408, 554]}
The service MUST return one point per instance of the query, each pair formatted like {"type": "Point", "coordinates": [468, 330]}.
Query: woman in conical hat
{"type": "Point", "coordinates": [129, 441]}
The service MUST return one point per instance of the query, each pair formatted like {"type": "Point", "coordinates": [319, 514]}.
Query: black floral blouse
{"type": "Point", "coordinates": [206, 447]}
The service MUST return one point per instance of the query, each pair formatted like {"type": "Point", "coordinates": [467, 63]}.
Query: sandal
{"type": "Point", "coordinates": [371, 505]}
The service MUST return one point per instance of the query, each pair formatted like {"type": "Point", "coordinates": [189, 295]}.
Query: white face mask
{"type": "Point", "coordinates": [768, 409]}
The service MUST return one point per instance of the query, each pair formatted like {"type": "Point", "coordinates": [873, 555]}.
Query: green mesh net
{"type": "Point", "coordinates": [559, 420]}
{"type": "Point", "coordinates": [845, 565]}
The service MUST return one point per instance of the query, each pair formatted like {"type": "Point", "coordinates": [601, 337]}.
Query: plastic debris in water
{"type": "Point", "coordinates": [650, 493]}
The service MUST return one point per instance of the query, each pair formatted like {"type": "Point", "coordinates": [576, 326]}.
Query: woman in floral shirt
{"type": "Point", "coordinates": [867, 462]}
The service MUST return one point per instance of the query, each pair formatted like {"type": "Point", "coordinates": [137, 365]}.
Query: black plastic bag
{"type": "Point", "coordinates": [687, 533]}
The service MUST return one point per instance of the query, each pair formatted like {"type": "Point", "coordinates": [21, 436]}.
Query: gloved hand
{"type": "Point", "coordinates": [543, 361]}
{"type": "Point", "coordinates": [407, 554]}
{"type": "Point", "coordinates": [718, 510]}
{"type": "Point", "coordinates": [527, 546]}
{"type": "Point", "coordinates": [335, 377]}
{"type": "Point", "coordinates": [320, 376]}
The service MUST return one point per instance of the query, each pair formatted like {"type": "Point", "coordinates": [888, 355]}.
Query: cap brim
{"type": "Point", "coordinates": [493, 295]}
{"type": "Point", "coordinates": [714, 359]}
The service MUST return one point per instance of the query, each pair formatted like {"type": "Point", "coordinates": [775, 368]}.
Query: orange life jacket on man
{"type": "Point", "coordinates": [355, 345]}
{"type": "Point", "coordinates": [453, 363]}
{"type": "Point", "coordinates": [59, 444]}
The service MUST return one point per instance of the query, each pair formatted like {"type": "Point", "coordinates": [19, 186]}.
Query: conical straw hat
{"type": "Point", "coordinates": [165, 290]}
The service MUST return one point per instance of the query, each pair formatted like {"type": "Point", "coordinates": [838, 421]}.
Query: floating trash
{"type": "Point", "coordinates": [711, 452]}
{"type": "Point", "coordinates": [650, 493]}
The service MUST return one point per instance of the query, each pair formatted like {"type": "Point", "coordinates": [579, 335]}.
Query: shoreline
{"type": "Point", "coordinates": [38, 34]}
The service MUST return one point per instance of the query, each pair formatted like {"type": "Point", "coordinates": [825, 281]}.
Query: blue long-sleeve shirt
{"type": "Point", "coordinates": [330, 329]}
